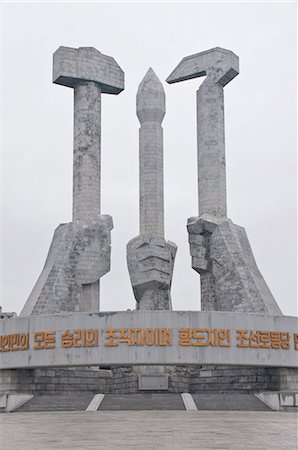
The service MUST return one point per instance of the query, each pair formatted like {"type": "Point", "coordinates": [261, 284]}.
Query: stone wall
{"type": "Point", "coordinates": [204, 379]}
{"type": "Point", "coordinates": [287, 378]}
{"type": "Point", "coordinates": [125, 380]}
{"type": "Point", "coordinates": [54, 380]}
{"type": "Point", "coordinates": [222, 379]}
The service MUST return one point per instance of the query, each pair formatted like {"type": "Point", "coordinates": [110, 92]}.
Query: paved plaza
{"type": "Point", "coordinates": [149, 430]}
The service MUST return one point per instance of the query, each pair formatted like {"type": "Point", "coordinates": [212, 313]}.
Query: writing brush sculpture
{"type": "Point", "coordinates": [150, 257]}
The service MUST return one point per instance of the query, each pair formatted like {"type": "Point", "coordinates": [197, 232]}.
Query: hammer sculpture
{"type": "Point", "coordinates": [80, 251]}
{"type": "Point", "coordinates": [220, 250]}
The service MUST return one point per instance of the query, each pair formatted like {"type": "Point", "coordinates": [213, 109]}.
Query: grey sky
{"type": "Point", "coordinates": [260, 114]}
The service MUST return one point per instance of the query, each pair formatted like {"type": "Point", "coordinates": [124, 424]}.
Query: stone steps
{"type": "Point", "coordinates": [75, 401]}
{"type": "Point", "coordinates": [79, 401]}
{"type": "Point", "coordinates": [229, 402]}
{"type": "Point", "coordinates": [142, 401]}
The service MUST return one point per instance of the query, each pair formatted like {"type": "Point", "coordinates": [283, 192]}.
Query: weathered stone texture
{"type": "Point", "coordinates": [86, 159]}
{"type": "Point", "coordinates": [55, 380]}
{"type": "Point", "coordinates": [212, 379]}
{"type": "Point", "coordinates": [150, 112]}
{"type": "Point", "coordinates": [74, 65]}
{"type": "Point", "coordinates": [220, 66]}
{"type": "Point", "coordinates": [153, 338]}
{"type": "Point", "coordinates": [220, 250]}
{"type": "Point", "coordinates": [150, 257]}
{"type": "Point", "coordinates": [287, 378]}
{"type": "Point", "coordinates": [150, 262]}
{"type": "Point", "coordinates": [125, 380]}
{"type": "Point", "coordinates": [223, 379]}
{"type": "Point", "coordinates": [151, 179]}
{"type": "Point", "coordinates": [90, 73]}
{"type": "Point", "coordinates": [78, 257]}
{"type": "Point", "coordinates": [80, 251]}
{"type": "Point", "coordinates": [211, 149]}
{"type": "Point", "coordinates": [230, 278]}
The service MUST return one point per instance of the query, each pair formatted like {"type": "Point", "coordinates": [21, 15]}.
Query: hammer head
{"type": "Point", "coordinates": [222, 63]}
{"type": "Point", "coordinates": [74, 65]}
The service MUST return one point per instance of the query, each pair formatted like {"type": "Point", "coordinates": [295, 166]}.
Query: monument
{"type": "Point", "coordinates": [150, 258]}
{"type": "Point", "coordinates": [239, 343]}
{"type": "Point", "coordinates": [220, 250]}
{"type": "Point", "coordinates": [80, 251]}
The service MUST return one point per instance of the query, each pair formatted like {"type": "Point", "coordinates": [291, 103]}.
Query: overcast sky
{"type": "Point", "coordinates": [37, 126]}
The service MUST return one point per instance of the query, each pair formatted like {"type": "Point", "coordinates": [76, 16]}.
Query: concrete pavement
{"type": "Point", "coordinates": [149, 430]}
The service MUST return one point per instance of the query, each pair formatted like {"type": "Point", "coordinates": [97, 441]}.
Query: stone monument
{"type": "Point", "coordinates": [80, 251]}
{"type": "Point", "coordinates": [220, 250]}
{"type": "Point", "coordinates": [52, 349]}
{"type": "Point", "coordinates": [150, 257]}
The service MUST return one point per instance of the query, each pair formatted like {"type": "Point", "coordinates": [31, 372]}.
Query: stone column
{"type": "Point", "coordinates": [150, 257]}
{"type": "Point", "coordinates": [87, 149]}
{"type": "Point", "coordinates": [150, 112]}
{"type": "Point", "coordinates": [211, 148]}
{"type": "Point", "coordinates": [86, 169]}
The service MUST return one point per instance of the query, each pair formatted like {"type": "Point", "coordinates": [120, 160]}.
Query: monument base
{"type": "Point", "coordinates": [204, 379]}
{"type": "Point", "coordinates": [131, 379]}
{"type": "Point", "coordinates": [54, 380]}
{"type": "Point", "coordinates": [51, 389]}
{"type": "Point", "coordinates": [241, 379]}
